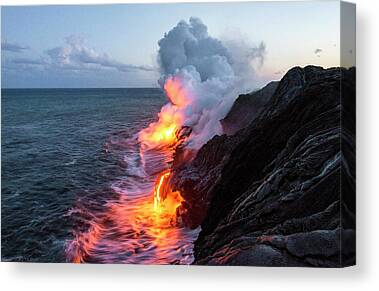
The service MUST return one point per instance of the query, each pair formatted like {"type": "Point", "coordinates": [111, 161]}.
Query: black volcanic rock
{"type": "Point", "coordinates": [271, 194]}
{"type": "Point", "coordinates": [246, 108]}
{"type": "Point", "coordinates": [196, 180]}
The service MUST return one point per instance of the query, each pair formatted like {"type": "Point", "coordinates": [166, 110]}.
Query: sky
{"type": "Point", "coordinates": [116, 45]}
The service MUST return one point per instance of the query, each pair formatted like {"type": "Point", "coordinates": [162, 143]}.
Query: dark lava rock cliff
{"type": "Point", "coordinates": [280, 191]}
{"type": "Point", "coordinates": [246, 108]}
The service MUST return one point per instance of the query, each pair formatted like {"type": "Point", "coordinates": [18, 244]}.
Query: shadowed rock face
{"type": "Point", "coordinates": [280, 192]}
{"type": "Point", "coordinates": [246, 108]}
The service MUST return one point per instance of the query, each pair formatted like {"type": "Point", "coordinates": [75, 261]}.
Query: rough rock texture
{"type": "Point", "coordinates": [271, 195]}
{"type": "Point", "coordinates": [246, 108]}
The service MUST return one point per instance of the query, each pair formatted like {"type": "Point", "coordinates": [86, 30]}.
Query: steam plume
{"type": "Point", "coordinates": [209, 74]}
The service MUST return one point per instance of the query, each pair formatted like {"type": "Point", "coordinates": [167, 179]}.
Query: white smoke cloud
{"type": "Point", "coordinates": [189, 44]}
{"type": "Point", "coordinates": [211, 72]}
{"type": "Point", "coordinates": [246, 58]}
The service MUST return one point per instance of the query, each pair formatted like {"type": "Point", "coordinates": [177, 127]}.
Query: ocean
{"type": "Point", "coordinates": [71, 181]}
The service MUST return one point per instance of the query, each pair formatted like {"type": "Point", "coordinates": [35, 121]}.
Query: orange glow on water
{"type": "Point", "coordinates": [141, 229]}
{"type": "Point", "coordinates": [134, 233]}
{"type": "Point", "coordinates": [163, 133]}
{"type": "Point", "coordinates": [142, 225]}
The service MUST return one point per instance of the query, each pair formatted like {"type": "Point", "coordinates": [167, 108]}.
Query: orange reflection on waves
{"type": "Point", "coordinates": [133, 232]}
{"type": "Point", "coordinates": [141, 225]}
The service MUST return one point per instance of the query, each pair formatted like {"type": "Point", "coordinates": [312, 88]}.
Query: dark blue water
{"type": "Point", "coordinates": [62, 150]}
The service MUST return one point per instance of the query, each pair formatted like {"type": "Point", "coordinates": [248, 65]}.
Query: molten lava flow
{"type": "Point", "coordinates": [166, 200]}
{"type": "Point", "coordinates": [170, 119]}
{"type": "Point", "coordinates": [176, 92]}
{"type": "Point", "coordinates": [140, 225]}
{"type": "Point", "coordinates": [165, 135]}
{"type": "Point", "coordinates": [161, 133]}
{"type": "Point", "coordinates": [158, 189]}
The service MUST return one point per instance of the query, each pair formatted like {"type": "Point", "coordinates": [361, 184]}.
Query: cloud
{"type": "Point", "coordinates": [258, 53]}
{"type": "Point", "coordinates": [318, 52]}
{"type": "Point", "coordinates": [75, 54]}
{"type": "Point", "coordinates": [188, 44]}
{"type": "Point", "coordinates": [13, 47]}
{"type": "Point", "coordinates": [247, 58]}
{"type": "Point", "coordinates": [210, 74]}
{"type": "Point", "coordinates": [73, 64]}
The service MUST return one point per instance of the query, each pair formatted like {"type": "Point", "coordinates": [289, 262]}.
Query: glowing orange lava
{"type": "Point", "coordinates": [157, 191]}
{"type": "Point", "coordinates": [143, 235]}
{"type": "Point", "coordinates": [165, 199]}
{"type": "Point", "coordinates": [176, 92]}
{"type": "Point", "coordinates": [143, 227]}
{"type": "Point", "coordinates": [164, 134]}
{"type": "Point", "coordinates": [170, 119]}
{"type": "Point", "coordinates": [161, 133]}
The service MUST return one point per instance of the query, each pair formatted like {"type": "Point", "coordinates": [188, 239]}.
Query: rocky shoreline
{"type": "Point", "coordinates": [279, 189]}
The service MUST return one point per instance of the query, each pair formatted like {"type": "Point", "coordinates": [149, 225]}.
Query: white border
{"type": "Point", "coordinates": [365, 276]}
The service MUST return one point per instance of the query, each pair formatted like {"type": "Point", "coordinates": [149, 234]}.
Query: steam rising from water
{"type": "Point", "coordinates": [209, 72]}
{"type": "Point", "coordinates": [200, 76]}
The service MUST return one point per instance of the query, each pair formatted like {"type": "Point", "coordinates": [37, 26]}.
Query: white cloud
{"type": "Point", "coordinates": [75, 54]}
{"type": "Point", "coordinates": [210, 72]}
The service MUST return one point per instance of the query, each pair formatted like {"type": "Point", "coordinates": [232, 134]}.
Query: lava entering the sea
{"type": "Point", "coordinates": [166, 134]}
{"type": "Point", "coordinates": [164, 198]}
